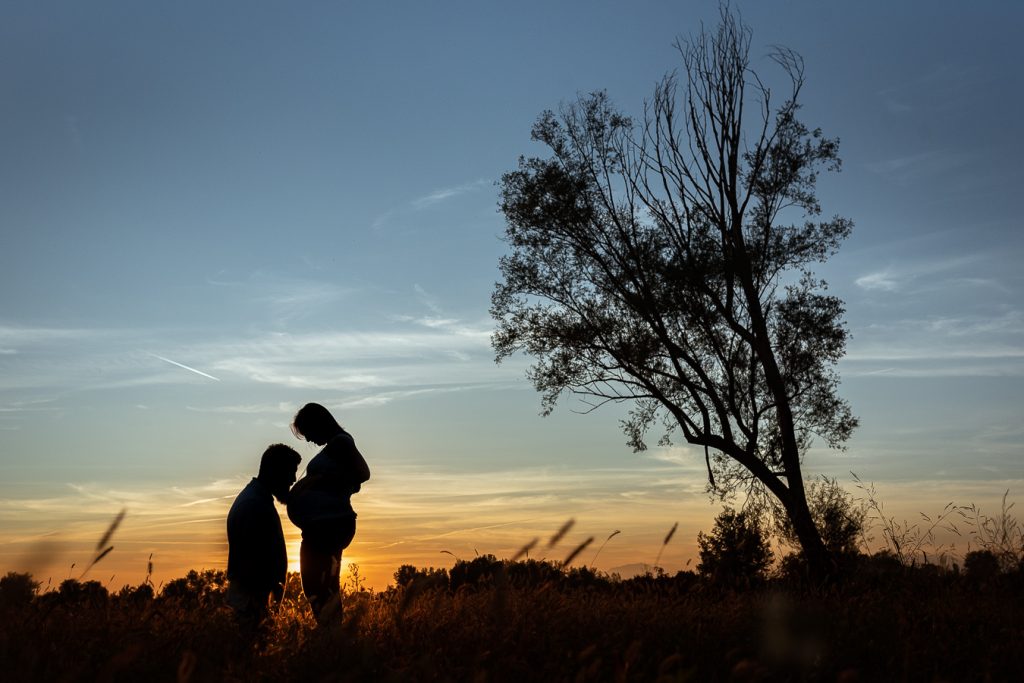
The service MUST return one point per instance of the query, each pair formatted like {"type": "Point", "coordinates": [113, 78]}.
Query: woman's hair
{"type": "Point", "coordinates": [314, 420]}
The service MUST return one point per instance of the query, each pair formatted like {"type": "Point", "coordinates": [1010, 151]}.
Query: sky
{"type": "Point", "coordinates": [213, 213]}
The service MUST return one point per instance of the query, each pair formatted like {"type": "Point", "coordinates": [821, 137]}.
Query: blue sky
{"type": "Point", "coordinates": [300, 204]}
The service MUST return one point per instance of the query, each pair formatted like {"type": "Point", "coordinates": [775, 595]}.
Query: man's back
{"type": "Point", "coordinates": [257, 559]}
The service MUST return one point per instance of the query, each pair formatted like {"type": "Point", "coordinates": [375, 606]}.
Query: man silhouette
{"type": "Point", "coordinates": [257, 559]}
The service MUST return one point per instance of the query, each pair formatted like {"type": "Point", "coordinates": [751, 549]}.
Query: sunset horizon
{"type": "Point", "coordinates": [177, 537]}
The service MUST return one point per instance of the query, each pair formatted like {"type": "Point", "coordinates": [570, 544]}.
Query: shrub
{"type": "Point", "coordinates": [407, 574]}
{"type": "Point", "coordinates": [17, 589]}
{"type": "Point", "coordinates": [1002, 535]}
{"type": "Point", "coordinates": [736, 551]}
{"type": "Point", "coordinates": [479, 570]}
{"type": "Point", "coordinates": [535, 573]}
{"type": "Point", "coordinates": [981, 565]}
{"type": "Point", "coordinates": [196, 587]}
{"type": "Point", "coordinates": [137, 595]}
{"type": "Point", "coordinates": [72, 591]}
{"type": "Point", "coordinates": [840, 521]}
{"type": "Point", "coordinates": [584, 577]}
{"type": "Point", "coordinates": [882, 566]}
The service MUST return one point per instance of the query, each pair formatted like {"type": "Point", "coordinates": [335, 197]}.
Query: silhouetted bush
{"type": "Point", "coordinates": [879, 570]}
{"type": "Point", "coordinates": [736, 552]}
{"type": "Point", "coordinates": [981, 565]}
{"type": "Point", "coordinates": [407, 574]}
{"type": "Point", "coordinates": [141, 594]}
{"type": "Point", "coordinates": [486, 570]}
{"type": "Point", "coordinates": [196, 587]}
{"type": "Point", "coordinates": [840, 520]}
{"type": "Point", "coordinates": [17, 589]}
{"type": "Point", "coordinates": [73, 591]}
{"type": "Point", "coordinates": [846, 565]}
{"type": "Point", "coordinates": [1002, 535]}
{"type": "Point", "coordinates": [479, 570]}
{"type": "Point", "coordinates": [534, 573]}
{"type": "Point", "coordinates": [585, 577]}
{"type": "Point", "coordinates": [657, 582]}
{"type": "Point", "coordinates": [792, 568]}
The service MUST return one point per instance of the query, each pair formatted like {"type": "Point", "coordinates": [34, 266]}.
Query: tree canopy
{"type": "Point", "coordinates": [736, 551]}
{"type": "Point", "coordinates": [667, 262]}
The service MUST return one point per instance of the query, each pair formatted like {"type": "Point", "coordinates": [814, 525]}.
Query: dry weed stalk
{"type": "Point", "coordinates": [561, 532]}
{"type": "Point", "coordinates": [579, 549]}
{"type": "Point", "coordinates": [904, 540]}
{"type": "Point", "coordinates": [103, 541]}
{"type": "Point", "coordinates": [610, 537]}
{"type": "Point", "coordinates": [668, 537]}
{"type": "Point", "coordinates": [1002, 535]}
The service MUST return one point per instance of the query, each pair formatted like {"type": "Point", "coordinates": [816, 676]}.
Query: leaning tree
{"type": "Point", "coordinates": [666, 263]}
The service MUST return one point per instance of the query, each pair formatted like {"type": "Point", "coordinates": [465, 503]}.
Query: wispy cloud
{"type": "Point", "coordinates": [940, 346]}
{"type": "Point", "coordinates": [882, 280]}
{"type": "Point", "coordinates": [13, 337]}
{"type": "Point", "coordinates": [282, 408]}
{"type": "Point", "coordinates": [911, 168]}
{"type": "Point", "coordinates": [72, 359]}
{"type": "Point", "coordinates": [420, 350]}
{"type": "Point", "coordinates": [375, 365]}
{"type": "Point", "coordinates": [14, 414]}
{"type": "Point", "coordinates": [429, 200]}
{"type": "Point", "coordinates": [427, 299]}
{"type": "Point", "coordinates": [408, 353]}
{"type": "Point", "coordinates": [898, 277]}
{"type": "Point", "coordinates": [31, 406]}
{"type": "Point", "coordinates": [446, 193]}
{"type": "Point", "coordinates": [942, 87]}
{"type": "Point", "coordinates": [284, 298]}
{"type": "Point", "coordinates": [1009, 322]}
{"type": "Point", "coordinates": [386, 397]}
{"type": "Point", "coordinates": [305, 294]}
{"type": "Point", "coordinates": [897, 353]}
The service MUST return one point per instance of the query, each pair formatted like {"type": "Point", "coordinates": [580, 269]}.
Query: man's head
{"type": "Point", "coordinates": [277, 469]}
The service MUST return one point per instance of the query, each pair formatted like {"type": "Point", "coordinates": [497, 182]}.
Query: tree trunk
{"type": "Point", "coordinates": [819, 560]}
{"type": "Point", "coordinates": [820, 563]}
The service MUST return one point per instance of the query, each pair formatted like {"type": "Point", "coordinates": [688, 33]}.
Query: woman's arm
{"type": "Point", "coordinates": [351, 463]}
{"type": "Point", "coordinates": [360, 470]}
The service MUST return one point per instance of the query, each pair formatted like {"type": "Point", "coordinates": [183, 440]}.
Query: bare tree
{"type": "Point", "coordinates": [666, 263]}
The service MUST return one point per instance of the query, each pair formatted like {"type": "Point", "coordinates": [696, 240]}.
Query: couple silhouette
{"type": "Point", "coordinates": [318, 504]}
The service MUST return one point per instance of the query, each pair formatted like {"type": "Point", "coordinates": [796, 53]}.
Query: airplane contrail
{"type": "Point", "coordinates": [182, 365]}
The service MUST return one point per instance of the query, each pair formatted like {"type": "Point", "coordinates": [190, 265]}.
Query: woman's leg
{"type": "Point", "coordinates": [320, 578]}
{"type": "Point", "coordinates": [320, 568]}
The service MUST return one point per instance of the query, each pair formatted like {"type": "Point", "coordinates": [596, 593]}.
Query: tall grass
{"type": "Point", "coordinates": [1002, 535]}
{"type": "Point", "coordinates": [569, 624]}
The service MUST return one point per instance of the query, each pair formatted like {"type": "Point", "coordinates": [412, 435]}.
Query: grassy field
{"type": "Point", "coordinates": [524, 621]}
